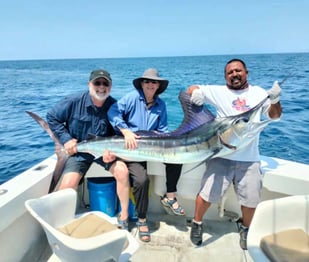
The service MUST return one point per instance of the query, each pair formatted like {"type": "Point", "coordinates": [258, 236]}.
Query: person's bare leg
{"type": "Point", "coordinates": [247, 215]}
{"type": "Point", "coordinates": [70, 180]}
{"type": "Point", "coordinates": [201, 206]}
{"type": "Point", "coordinates": [121, 174]}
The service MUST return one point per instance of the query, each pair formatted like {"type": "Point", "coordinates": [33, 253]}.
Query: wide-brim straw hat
{"type": "Point", "coordinates": [151, 74]}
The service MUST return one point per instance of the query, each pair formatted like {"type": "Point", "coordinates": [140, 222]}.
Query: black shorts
{"type": "Point", "coordinates": [82, 166]}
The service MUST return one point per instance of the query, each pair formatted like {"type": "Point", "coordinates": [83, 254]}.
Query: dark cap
{"type": "Point", "coordinates": [95, 74]}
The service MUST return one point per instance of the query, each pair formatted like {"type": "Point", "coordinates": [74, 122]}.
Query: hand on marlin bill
{"type": "Point", "coordinates": [274, 93]}
{"type": "Point", "coordinates": [197, 97]}
{"type": "Point", "coordinates": [71, 147]}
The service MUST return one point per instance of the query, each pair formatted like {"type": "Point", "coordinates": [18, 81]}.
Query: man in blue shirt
{"type": "Point", "coordinates": [77, 117]}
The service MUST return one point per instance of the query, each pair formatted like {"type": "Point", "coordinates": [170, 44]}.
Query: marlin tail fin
{"type": "Point", "coordinates": [61, 155]}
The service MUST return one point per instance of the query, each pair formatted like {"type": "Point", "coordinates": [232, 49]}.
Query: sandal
{"type": "Point", "coordinates": [123, 224]}
{"type": "Point", "coordinates": [143, 234]}
{"type": "Point", "coordinates": [168, 206]}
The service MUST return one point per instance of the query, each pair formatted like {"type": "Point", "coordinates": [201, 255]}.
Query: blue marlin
{"type": "Point", "coordinates": [199, 137]}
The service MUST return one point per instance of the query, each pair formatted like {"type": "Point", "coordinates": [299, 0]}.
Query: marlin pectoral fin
{"type": "Point", "coordinates": [226, 144]}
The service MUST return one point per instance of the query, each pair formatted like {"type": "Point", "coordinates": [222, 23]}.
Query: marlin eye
{"type": "Point", "coordinates": [241, 119]}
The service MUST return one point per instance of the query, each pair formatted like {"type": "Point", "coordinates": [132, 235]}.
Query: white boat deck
{"type": "Point", "coordinates": [170, 242]}
{"type": "Point", "coordinates": [23, 240]}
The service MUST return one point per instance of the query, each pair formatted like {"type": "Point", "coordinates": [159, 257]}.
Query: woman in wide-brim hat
{"type": "Point", "coordinates": [151, 74]}
{"type": "Point", "coordinates": [141, 109]}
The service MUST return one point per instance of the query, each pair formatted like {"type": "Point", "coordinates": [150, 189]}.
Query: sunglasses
{"type": "Point", "coordinates": [147, 81]}
{"type": "Point", "coordinates": [99, 83]}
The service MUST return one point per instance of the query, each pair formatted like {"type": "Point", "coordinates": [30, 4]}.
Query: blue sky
{"type": "Point", "coordinates": [51, 29]}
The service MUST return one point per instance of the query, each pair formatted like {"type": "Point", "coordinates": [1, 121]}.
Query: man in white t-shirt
{"type": "Point", "coordinates": [242, 167]}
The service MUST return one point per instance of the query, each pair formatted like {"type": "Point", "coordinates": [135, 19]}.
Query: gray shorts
{"type": "Point", "coordinates": [245, 176]}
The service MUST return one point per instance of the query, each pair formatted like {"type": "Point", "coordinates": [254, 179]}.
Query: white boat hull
{"type": "Point", "coordinates": [20, 233]}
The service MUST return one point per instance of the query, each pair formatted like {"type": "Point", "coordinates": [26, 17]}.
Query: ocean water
{"type": "Point", "coordinates": [37, 85]}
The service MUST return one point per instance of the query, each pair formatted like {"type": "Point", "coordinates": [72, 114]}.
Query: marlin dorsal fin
{"type": "Point", "coordinates": [194, 116]}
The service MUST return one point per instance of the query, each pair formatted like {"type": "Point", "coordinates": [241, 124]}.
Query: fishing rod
{"type": "Point", "coordinates": [284, 79]}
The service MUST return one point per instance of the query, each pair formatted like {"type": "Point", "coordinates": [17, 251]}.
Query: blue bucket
{"type": "Point", "coordinates": [132, 211]}
{"type": "Point", "coordinates": [131, 208]}
{"type": "Point", "coordinates": [102, 194]}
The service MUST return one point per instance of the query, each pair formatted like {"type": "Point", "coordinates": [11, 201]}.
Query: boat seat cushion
{"type": "Point", "coordinates": [287, 245]}
{"type": "Point", "coordinates": [87, 226]}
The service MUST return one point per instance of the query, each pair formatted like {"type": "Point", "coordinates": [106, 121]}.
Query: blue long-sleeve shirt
{"type": "Point", "coordinates": [131, 112]}
{"type": "Point", "coordinates": [77, 117]}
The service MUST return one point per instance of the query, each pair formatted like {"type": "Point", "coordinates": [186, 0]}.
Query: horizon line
{"type": "Point", "coordinates": [138, 57]}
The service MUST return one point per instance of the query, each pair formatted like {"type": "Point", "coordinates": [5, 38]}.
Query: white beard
{"type": "Point", "coordinates": [99, 96]}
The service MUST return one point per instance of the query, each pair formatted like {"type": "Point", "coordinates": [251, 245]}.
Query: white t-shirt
{"type": "Point", "coordinates": [228, 102]}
